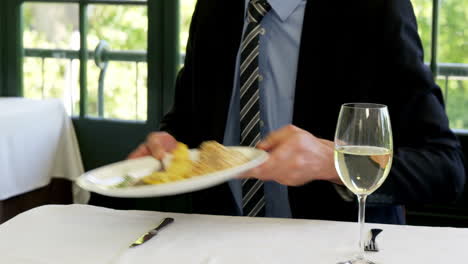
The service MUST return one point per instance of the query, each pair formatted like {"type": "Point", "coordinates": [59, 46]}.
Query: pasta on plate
{"type": "Point", "coordinates": [212, 157]}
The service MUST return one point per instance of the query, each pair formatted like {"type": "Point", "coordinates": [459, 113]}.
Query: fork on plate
{"type": "Point", "coordinates": [128, 180]}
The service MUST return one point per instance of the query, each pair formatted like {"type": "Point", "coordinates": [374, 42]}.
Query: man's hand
{"type": "Point", "coordinates": [156, 145]}
{"type": "Point", "coordinates": [296, 157]}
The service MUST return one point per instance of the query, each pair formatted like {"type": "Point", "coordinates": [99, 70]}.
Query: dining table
{"type": "Point", "coordinates": [85, 234]}
{"type": "Point", "coordinates": [37, 144]}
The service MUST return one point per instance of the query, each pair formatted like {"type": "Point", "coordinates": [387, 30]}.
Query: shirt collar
{"type": "Point", "coordinates": [284, 8]}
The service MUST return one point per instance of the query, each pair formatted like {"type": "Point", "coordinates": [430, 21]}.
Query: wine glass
{"type": "Point", "coordinates": [363, 155]}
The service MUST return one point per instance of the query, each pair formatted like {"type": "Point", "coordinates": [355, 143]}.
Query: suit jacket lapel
{"type": "Point", "coordinates": [316, 71]}
{"type": "Point", "coordinates": [233, 22]}
{"type": "Point", "coordinates": [305, 67]}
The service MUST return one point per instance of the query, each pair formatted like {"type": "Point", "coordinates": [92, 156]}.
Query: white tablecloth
{"type": "Point", "coordinates": [91, 235]}
{"type": "Point", "coordinates": [37, 143]}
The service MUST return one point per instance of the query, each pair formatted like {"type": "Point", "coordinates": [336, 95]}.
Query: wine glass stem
{"type": "Point", "coordinates": [362, 219]}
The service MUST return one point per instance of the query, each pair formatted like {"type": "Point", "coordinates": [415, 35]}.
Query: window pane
{"type": "Point", "coordinates": [186, 11]}
{"type": "Point", "coordinates": [52, 26]}
{"type": "Point", "coordinates": [456, 98]}
{"type": "Point", "coordinates": [453, 34]}
{"type": "Point", "coordinates": [124, 29]}
{"type": "Point", "coordinates": [124, 90]}
{"type": "Point", "coordinates": [453, 60]}
{"type": "Point", "coordinates": [423, 11]}
{"type": "Point", "coordinates": [53, 78]}
{"type": "Point", "coordinates": [48, 73]}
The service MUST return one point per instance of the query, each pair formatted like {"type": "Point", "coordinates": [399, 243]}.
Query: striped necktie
{"type": "Point", "coordinates": [253, 200]}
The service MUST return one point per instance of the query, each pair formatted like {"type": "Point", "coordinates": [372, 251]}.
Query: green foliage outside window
{"type": "Point", "coordinates": [123, 28]}
{"type": "Point", "coordinates": [452, 48]}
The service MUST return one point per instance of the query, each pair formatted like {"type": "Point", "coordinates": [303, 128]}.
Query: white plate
{"type": "Point", "coordinates": [102, 180]}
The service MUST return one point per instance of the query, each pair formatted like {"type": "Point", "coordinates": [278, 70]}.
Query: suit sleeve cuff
{"type": "Point", "coordinates": [344, 192]}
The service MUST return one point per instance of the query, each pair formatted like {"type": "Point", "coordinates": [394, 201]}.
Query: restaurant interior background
{"type": "Point", "coordinates": [113, 64]}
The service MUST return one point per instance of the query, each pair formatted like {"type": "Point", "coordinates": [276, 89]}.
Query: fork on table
{"type": "Point", "coordinates": [371, 245]}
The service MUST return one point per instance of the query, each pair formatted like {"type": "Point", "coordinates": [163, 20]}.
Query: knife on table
{"type": "Point", "coordinates": [150, 234]}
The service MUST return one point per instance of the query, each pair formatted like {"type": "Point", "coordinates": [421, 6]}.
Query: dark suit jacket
{"type": "Point", "coordinates": [351, 51]}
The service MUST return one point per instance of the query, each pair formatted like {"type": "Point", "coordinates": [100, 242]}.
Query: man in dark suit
{"type": "Point", "coordinates": [308, 58]}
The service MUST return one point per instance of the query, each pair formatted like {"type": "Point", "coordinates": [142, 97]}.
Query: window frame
{"type": "Point", "coordinates": [162, 53]}
{"type": "Point", "coordinates": [11, 61]}
{"type": "Point", "coordinates": [434, 37]}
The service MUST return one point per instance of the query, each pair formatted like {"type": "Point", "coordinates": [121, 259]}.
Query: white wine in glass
{"type": "Point", "coordinates": [363, 155]}
{"type": "Point", "coordinates": [363, 168]}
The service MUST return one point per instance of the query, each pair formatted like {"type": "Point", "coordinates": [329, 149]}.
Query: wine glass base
{"type": "Point", "coordinates": [357, 261]}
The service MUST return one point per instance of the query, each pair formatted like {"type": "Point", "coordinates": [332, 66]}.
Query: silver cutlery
{"type": "Point", "coordinates": [126, 182]}
{"type": "Point", "coordinates": [150, 234]}
{"type": "Point", "coordinates": [130, 181]}
{"type": "Point", "coordinates": [371, 245]}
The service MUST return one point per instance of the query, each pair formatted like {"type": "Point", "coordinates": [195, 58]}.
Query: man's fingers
{"type": "Point", "coordinates": [275, 167]}
{"type": "Point", "coordinates": [258, 173]}
{"type": "Point", "coordinates": [275, 138]}
{"type": "Point", "coordinates": [168, 142]}
{"type": "Point", "coordinates": [159, 143]}
{"type": "Point", "coordinates": [141, 151]}
{"type": "Point", "coordinates": [155, 147]}
{"type": "Point", "coordinates": [252, 173]}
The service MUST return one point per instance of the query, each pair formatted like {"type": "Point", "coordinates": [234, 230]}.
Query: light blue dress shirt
{"type": "Point", "coordinates": [278, 59]}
